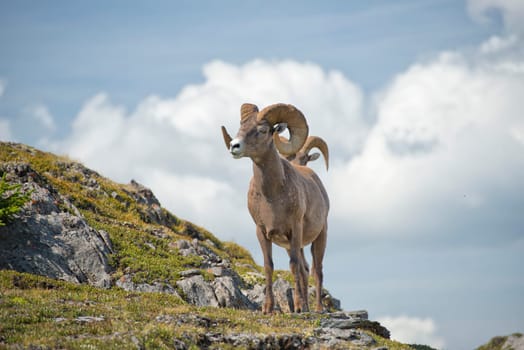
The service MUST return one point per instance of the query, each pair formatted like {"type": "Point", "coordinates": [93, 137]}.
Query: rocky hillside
{"type": "Point", "coordinates": [90, 261]}
{"type": "Point", "coordinates": [510, 342]}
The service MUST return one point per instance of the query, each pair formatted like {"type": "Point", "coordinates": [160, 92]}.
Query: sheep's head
{"type": "Point", "coordinates": [303, 156]}
{"type": "Point", "coordinates": [260, 129]}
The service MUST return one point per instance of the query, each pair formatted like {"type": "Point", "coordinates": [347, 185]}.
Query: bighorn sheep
{"type": "Point", "coordinates": [287, 202]}
{"type": "Point", "coordinates": [302, 157]}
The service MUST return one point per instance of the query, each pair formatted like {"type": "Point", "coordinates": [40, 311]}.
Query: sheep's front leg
{"type": "Point", "coordinates": [266, 246]}
{"type": "Point", "coordinates": [298, 269]}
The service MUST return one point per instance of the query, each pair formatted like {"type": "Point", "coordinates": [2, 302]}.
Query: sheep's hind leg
{"type": "Point", "coordinates": [298, 269]}
{"type": "Point", "coordinates": [306, 266]}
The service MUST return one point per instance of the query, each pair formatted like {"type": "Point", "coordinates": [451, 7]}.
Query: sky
{"type": "Point", "coordinates": [420, 102]}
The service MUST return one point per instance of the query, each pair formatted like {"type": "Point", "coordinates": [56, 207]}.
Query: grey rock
{"type": "Point", "coordinates": [340, 322]}
{"type": "Point", "coordinates": [165, 318]}
{"type": "Point", "coordinates": [179, 344]}
{"type": "Point", "coordinates": [50, 237]}
{"type": "Point", "coordinates": [359, 314]}
{"type": "Point", "coordinates": [220, 271]}
{"type": "Point", "coordinates": [89, 319]}
{"type": "Point", "coordinates": [324, 338]}
{"type": "Point", "coordinates": [150, 209]}
{"type": "Point", "coordinates": [197, 291]}
{"type": "Point", "coordinates": [333, 336]}
{"type": "Point", "coordinates": [188, 251]}
{"type": "Point", "coordinates": [251, 341]}
{"type": "Point", "coordinates": [191, 272]}
{"type": "Point", "coordinates": [228, 294]}
{"type": "Point", "coordinates": [136, 342]}
{"type": "Point", "coordinates": [283, 293]}
{"type": "Point", "coordinates": [328, 301]}
{"type": "Point", "coordinates": [195, 247]}
{"type": "Point", "coordinates": [210, 243]}
{"type": "Point", "coordinates": [182, 244]}
{"type": "Point", "coordinates": [515, 342]}
{"type": "Point", "coordinates": [347, 323]}
{"type": "Point", "coordinates": [255, 295]}
{"type": "Point", "coordinates": [126, 282]}
{"type": "Point", "coordinates": [227, 286]}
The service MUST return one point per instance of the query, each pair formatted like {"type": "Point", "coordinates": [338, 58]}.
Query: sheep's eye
{"type": "Point", "coordinates": [263, 129]}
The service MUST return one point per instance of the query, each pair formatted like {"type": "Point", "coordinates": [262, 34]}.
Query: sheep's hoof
{"type": "Point", "coordinates": [267, 309]}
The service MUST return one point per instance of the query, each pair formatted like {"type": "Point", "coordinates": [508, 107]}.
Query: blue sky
{"type": "Point", "coordinates": [60, 54]}
{"type": "Point", "coordinates": [420, 102]}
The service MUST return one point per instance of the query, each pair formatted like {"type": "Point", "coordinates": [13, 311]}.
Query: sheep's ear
{"type": "Point", "coordinates": [313, 156]}
{"type": "Point", "coordinates": [279, 127]}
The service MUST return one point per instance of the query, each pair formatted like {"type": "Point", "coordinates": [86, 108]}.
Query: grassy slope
{"type": "Point", "coordinates": [108, 207]}
{"type": "Point", "coordinates": [37, 310]}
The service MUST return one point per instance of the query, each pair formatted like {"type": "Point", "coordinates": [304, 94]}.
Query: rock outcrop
{"type": "Point", "coordinates": [335, 331]}
{"type": "Point", "coordinates": [50, 236]}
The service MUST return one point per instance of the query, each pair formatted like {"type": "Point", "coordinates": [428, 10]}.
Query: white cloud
{"type": "Point", "coordinates": [517, 132]}
{"type": "Point", "coordinates": [41, 114]}
{"type": "Point", "coordinates": [447, 137]}
{"type": "Point", "coordinates": [510, 67]}
{"type": "Point", "coordinates": [413, 330]}
{"type": "Point", "coordinates": [331, 103]}
{"type": "Point", "coordinates": [496, 44]}
{"type": "Point", "coordinates": [174, 145]}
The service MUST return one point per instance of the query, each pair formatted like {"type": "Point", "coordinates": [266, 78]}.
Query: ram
{"type": "Point", "coordinates": [287, 202]}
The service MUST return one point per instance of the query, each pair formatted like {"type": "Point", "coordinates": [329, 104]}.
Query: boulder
{"type": "Point", "coordinates": [50, 236]}
{"type": "Point", "coordinates": [340, 323]}
{"type": "Point", "coordinates": [228, 294]}
{"type": "Point", "coordinates": [283, 293]}
{"type": "Point", "coordinates": [149, 209]}
{"type": "Point", "coordinates": [197, 291]}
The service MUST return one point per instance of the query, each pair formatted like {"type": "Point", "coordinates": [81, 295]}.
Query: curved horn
{"type": "Point", "coordinates": [315, 141]}
{"type": "Point", "coordinates": [246, 110]}
{"type": "Point", "coordinates": [227, 137]}
{"type": "Point", "coordinates": [296, 124]}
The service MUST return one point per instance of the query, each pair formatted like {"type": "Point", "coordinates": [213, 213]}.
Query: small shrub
{"type": "Point", "coordinates": [11, 200]}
